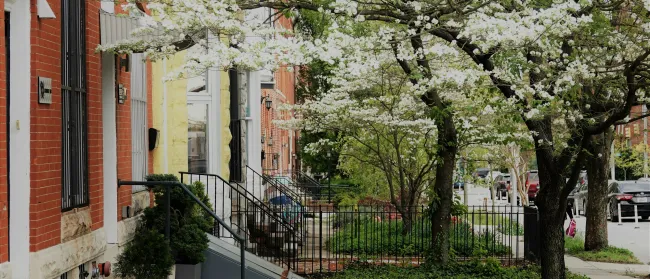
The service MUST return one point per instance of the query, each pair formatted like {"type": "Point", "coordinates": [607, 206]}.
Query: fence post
{"type": "Point", "coordinates": [168, 215]}
{"type": "Point", "coordinates": [636, 217]}
{"type": "Point", "coordinates": [320, 236]}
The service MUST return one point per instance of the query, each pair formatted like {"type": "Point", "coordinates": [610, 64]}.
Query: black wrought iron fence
{"type": "Point", "coordinates": [384, 234]}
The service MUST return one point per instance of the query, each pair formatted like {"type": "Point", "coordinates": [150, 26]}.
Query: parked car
{"type": "Point", "coordinates": [580, 195]}
{"type": "Point", "coordinates": [628, 194]}
{"type": "Point", "coordinates": [459, 185]}
{"type": "Point", "coordinates": [501, 185]}
{"type": "Point", "coordinates": [481, 172]}
{"type": "Point", "coordinates": [532, 183]}
{"type": "Point", "coordinates": [580, 198]}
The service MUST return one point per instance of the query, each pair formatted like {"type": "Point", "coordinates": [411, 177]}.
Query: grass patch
{"type": "Point", "coordinates": [504, 224]}
{"type": "Point", "coordinates": [576, 247]}
{"type": "Point", "coordinates": [369, 238]}
{"type": "Point", "coordinates": [469, 270]}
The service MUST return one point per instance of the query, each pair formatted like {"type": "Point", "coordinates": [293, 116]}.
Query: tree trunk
{"type": "Point", "coordinates": [552, 239]}
{"type": "Point", "coordinates": [552, 208]}
{"type": "Point", "coordinates": [407, 222]}
{"type": "Point", "coordinates": [596, 231]}
{"type": "Point", "coordinates": [441, 220]}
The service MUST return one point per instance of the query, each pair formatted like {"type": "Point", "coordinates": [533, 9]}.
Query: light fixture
{"type": "Point", "coordinates": [263, 137]}
{"type": "Point", "coordinates": [268, 102]}
{"type": "Point", "coordinates": [271, 141]}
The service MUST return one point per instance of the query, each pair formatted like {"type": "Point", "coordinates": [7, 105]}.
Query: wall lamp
{"type": "Point", "coordinates": [268, 102]}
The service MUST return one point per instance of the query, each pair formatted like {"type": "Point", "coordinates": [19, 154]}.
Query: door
{"type": "Point", "coordinates": [198, 135]}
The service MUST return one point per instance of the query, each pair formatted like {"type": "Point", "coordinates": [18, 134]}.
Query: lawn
{"type": "Point", "coordinates": [469, 270]}
{"type": "Point", "coordinates": [576, 247]}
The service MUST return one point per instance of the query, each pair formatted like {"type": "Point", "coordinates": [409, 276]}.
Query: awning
{"type": "Point", "coordinates": [115, 28]}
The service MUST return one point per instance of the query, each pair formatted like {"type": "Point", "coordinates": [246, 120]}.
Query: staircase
{"type": "Point", "coordinates": [268, 233]}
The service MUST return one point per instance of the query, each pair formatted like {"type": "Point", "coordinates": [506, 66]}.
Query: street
{"type": "Point", "coordinates": [625, 235]}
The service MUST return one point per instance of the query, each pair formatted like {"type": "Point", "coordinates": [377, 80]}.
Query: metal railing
{"type": "Point", "coordinates": [380, 234]}
{"type": "Point", "coordinates": [270, 188]}
{"type": "Point", "coordinates": [168, 184]}
{"type": "Point", "coordinates": [270, 232]}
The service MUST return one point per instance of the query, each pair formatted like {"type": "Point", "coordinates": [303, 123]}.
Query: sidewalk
{"type": "Point", "coordinates": [597, 270]}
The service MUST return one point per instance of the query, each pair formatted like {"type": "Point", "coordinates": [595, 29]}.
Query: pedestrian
{"type": "Point", "coordinates": [571, 230]}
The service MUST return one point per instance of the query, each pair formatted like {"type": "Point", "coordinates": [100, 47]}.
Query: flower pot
{"type": "Point", "coordinates": [188, 271]}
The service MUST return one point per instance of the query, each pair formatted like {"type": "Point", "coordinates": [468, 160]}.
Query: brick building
{"type": "Point", "coordinates": [280, 154]}
{"type": "Point", "coordinates": [632, 133]}
{"type": "Point", "coordinates": [66, 108]}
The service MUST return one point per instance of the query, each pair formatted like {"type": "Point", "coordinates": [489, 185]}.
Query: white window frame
{"type": "Point", "coordinates": [212, 99]}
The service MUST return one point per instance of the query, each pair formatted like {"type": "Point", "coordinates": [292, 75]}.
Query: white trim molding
{"type": "Point", "coordinates": [19, 136]}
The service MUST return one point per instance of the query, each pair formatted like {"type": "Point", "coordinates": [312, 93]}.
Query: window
{"type": "Point", "coordinates": [73, 87]}
{"type": "Point", "coordinates": [235, 164]}
{"type": "Point", "coordinates": [197, 131]}
{"type": "Point", "coordinates": [139, 148]}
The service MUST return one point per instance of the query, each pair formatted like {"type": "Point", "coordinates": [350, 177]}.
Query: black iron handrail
{"type": "Point", "coordinates": [168, 185]}
{"type": "Point", "coordinates": [249, 198]}
{"type": "Point", "coordinates": [246, 194]}
{"type": "Point", "coordinates": [283, 189]}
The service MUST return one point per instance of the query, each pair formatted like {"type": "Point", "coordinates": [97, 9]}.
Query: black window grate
{"type": "Point", "coordinates": [73, 86]}
{"type": "Point", "coordinates": [235, 164]}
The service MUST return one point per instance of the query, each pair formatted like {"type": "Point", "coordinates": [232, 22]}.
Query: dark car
{"type": "Point", "coordinates": [459, 185]}
{"type": "Point", "coordinates": [628, 194]}
{"type": "Point", "coordinates": [532, 183]}
{"type": "Point", "coordinates": [501, 184]}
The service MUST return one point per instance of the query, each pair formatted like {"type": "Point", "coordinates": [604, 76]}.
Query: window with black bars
{"type": "Point", "coordinates": [73, 86]}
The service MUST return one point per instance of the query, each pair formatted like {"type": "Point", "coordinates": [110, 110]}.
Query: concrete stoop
{"type": "Point", "coordinates": [223, 261]}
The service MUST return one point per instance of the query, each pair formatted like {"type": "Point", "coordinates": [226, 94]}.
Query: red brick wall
{"type": "Point", "coordinates": [4, 197]}
{"type": "Point", "coordinates": [45, 205]}
{"type": "Point", "coordinates": [124, 164]}
{"type": "Point", "coordinates": [46, 132]}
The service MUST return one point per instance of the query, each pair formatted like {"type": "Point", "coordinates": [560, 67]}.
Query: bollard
{"type": "Point", "coordinates": [620, 217]}
{"type": "Point", "coordinates": [636, 218]}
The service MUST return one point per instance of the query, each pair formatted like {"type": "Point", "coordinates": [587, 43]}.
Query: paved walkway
{"type": "Point", "coordinates": [595, 270]}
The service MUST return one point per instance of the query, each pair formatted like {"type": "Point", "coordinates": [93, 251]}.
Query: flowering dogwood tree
{"type": "Point", "coordinates": [385, 128]}
{"type": "Point", "coordinates": [578, 66]}
{"type": "Point", "coordinates": [575, 66]}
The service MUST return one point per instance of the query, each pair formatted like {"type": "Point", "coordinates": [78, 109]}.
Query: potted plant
{"type": "Point", "coordinates": [150, 255]}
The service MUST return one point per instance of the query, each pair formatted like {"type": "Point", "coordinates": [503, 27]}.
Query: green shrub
{"type": "Point", "coordinates": [150, 255]}
{"type": "Point", "coordinates": [148, 247]}
{"type": "Point", "coordinates": [372, 238]}
{"type": "Point", "coordinates": [468, 270]}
